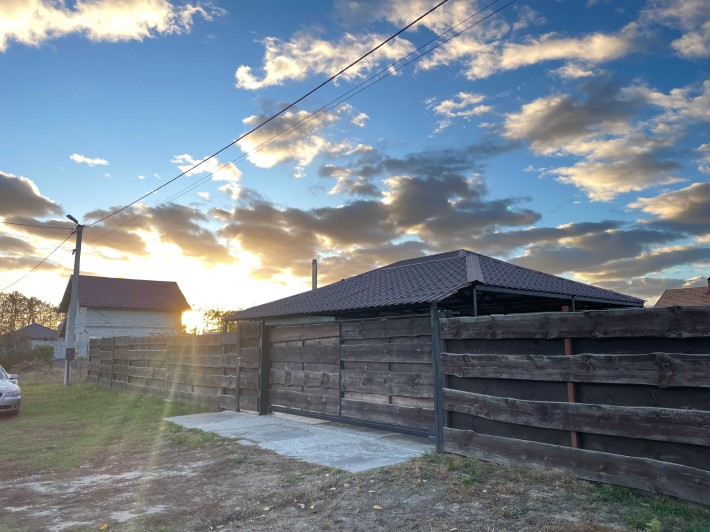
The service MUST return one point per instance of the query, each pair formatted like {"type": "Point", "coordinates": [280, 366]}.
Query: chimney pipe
{"type": "Point", "coordinates": [314, 273]}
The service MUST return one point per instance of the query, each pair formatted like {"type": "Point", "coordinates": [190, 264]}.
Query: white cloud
{"type": "Point", "coordinates": [573, 71]}
{"type": "Point", "coordinates": [32, 22]}
{"type": "Point", "coordinates": [704, 159]}
{"type": "Point", "coordinates": [691, 17]}
{"type": "Point", "coordinates": [225, 172]}
{"type": "Point", "coordinates": [81, 159]}
{"type": "Point", "coordinates": [295, 136]}
{"type": "Point", "coordinates": [463, 105]}
{"type": "Point", "coordinates": [305, 55]}
{"type": "Point", "coordinates": [360, 119]}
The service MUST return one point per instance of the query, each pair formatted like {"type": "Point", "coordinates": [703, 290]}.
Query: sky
{"type": "Point", "coordinates": [566, 136]}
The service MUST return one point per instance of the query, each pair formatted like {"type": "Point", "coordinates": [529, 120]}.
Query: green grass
{"type": "Point", "coordinates": [61, 427]}
{"type": "Point", "coordinates": [644, 511]}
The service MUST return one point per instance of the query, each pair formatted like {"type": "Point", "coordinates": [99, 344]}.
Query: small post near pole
{"type": "Point", "coordinates": [238, 386]}
{"type": "Point", "coordinates": [69, 333]}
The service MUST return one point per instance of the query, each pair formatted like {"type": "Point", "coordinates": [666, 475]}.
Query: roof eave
{"type": "Point", "coordinates": [553, 295]}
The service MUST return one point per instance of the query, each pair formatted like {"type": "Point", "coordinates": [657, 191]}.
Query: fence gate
{"type": "Point", "coordinates": [364, 371]}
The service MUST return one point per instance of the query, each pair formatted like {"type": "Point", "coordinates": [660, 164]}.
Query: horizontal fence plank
{"type": "Point", "coordinates": [157, 355]}
{"type": "Point", "coordinates": [414, 352]}
{"type": "Point", "coordinates": [203, 361]}
{"type": "Point", "coordinates": [134, 371]}
{"type": "Point", "coordinates": [246, 381]}
{"type": "Point", "coordinates": [413, 418]}
{"type": "Point", "coordinates": [322, 404]}
{"type": "Point", "coordinates": [388, 383]}
{"type": "Point", "coordinates": [654, 369]}
{"type": "Point", "coordinates": [652, 475]}
{"type": "Point", "coordinates": [385, 328]}
{"type": "Point", "coordinates": [663, 424]}
{"type": "Point", "coordinates": [290, 333]}
{"type": "Point", "coordinates": [229, 402]}
{"type": "Point", "coordinates": [311, 353]}
{"type": "Point", "coordinates": [315, 379]}
{"type": "Point", "coordinates": [670, 322]}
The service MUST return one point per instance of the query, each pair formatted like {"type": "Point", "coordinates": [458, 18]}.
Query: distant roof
{"type": "Point", "coordinates": [35, 331]}
{"type": "Point", "coordinates": [684, 297]}
{"type": "Point", "coordinates": [427, 280]}
{"type": "Point", "coordinates": [135, 294]}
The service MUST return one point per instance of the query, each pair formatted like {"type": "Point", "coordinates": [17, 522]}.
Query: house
{"type": "Point", "coordinates": [685, 297]}
{"type": "Point", "coordinates": [462, 282]}
{"type": "Point", "coordinates": [109, 307]}
{"type": "Point", "coordinates": [35, 331]}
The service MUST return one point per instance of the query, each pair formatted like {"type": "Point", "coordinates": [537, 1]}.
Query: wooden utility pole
{"type": "Point", "coordinates": [69, 335]}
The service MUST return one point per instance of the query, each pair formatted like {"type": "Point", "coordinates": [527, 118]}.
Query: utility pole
{"type": "Point", "coordinates": [69, 335]}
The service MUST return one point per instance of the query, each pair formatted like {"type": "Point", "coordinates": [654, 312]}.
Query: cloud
{"type": "Point", "coordinates": [704, 159]}
{"type": "Point", "coordinates": [619, 148]}
{"type": "Point", "coordinates": [81, 159]}
{"type": "Point", "coordinates": [225, 172]}
{"type": "Point", "coordinates": [10, 244]}
{"type": "Point", "coordinates": [691, 17]}
{"type": "Point", "coordinates": [169, 224]}
{"type": "Point", "coordinates": [306, 55]}
{"type": "Point", "coordinates": [592, 251]}
{"type": "Point", "coordinates": [434, 200]}
{"type": "Point", "coordinates": [682, 210]}
{"type": "Point", "coordinates": [32, 22]}
{"type": "Point", "coordinates": [360, 119]}
{"type": "Point", "coordinates": [295, 136]}
{"type": "Point", "coordinates": [463, 105]}
{"type": "Point", "coordinates": [19, 196]}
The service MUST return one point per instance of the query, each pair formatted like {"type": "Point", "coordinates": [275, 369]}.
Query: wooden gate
{"type": "Point", "coordinates": [376, 372]}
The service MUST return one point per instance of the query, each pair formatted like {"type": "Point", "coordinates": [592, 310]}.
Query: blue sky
{"type": "Point", "coordinates": [565, 136]}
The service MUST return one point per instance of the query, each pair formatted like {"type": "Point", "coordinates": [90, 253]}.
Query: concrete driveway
{"type": "Point", "coordinates": [316, 441]}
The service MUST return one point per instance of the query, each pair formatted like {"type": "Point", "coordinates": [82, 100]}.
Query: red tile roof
{"type": "Point", "coordinates": [684, 297]}
{"type": "Point", "coordinates": [135, 294]}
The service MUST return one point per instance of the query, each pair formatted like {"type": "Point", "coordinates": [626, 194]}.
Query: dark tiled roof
{"type": "Point", "coordinates": [684, 297]}
{"type": "Point", "coordinates": [426, 280]}
{"type": "Point", "coordinates": [35, 331]}
{"type": "Point", "coordinates": [135, 294]}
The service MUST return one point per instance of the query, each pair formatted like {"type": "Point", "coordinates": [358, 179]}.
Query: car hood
{"type": "Point", "coordinates": [6, 386]}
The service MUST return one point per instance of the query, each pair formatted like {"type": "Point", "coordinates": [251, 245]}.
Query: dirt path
{"type": "Point", "coordinates": [223, 485]}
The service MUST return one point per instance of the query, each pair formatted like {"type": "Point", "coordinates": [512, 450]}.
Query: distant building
{"type": "Point", "coordinates": [35, 331]}
{"type": "Point", "coordinates": [110, 307]}
{"type": "Point", "coordinates": [685, 297]}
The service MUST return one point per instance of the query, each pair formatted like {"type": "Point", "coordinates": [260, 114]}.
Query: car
{"type": "Point", "coordinates": [10, 394]}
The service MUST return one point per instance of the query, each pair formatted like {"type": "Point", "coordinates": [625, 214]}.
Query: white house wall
{"type": "Point", "coordinates": [98, 323]}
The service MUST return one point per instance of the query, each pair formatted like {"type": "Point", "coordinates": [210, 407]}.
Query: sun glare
{"type": "Point", "coordinates": [193, 322]}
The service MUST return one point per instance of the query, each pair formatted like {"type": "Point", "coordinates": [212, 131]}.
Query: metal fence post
{"type": "Point", "coordinates": [439, 412]}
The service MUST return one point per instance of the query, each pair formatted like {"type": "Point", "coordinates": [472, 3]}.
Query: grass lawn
{"type": "Point", "coordinates": [61, 427]}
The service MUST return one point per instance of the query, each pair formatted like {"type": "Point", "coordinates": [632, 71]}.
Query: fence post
{"type": "Point", "coordinates": [264, 367]}
{"type": "Point", "coordinates": [439, 412]}
{"type": "Point", "coordinates": [571, 391]}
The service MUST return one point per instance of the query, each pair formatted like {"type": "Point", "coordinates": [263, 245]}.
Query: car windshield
{"type": "Point", "coordinates": [3, 374]}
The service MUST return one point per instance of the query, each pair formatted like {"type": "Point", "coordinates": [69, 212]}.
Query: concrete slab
{"type": "Point", "coordinates": [315, 441]}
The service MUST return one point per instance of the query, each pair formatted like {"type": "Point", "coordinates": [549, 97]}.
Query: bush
{"type": "Point", "coordinates": [42, 354]}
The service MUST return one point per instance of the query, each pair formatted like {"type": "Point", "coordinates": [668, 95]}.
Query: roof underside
{"type": "Point", "coordinates": [417, 283]}
{"type": "Point", "coordinates": [134, 294]}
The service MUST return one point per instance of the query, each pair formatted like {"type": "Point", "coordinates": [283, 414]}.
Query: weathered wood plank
{"type": "Point", "coordinates": [229, 402]}
{"type": "Point", "coordinates": [651, 475]}
{"type": "Point", "coordinates": [414, 418]}
{"type": "Point", "coordinates": [323, 404]}
{"type": "Point", "coordinates": [386, 328]}
{"type": "Point", "coordinates": [672, 322]}
{"type": "Point", "coordinates": [655, 369]}
{"type": "Point", "coordinates": [388, 383]}
{"type": "Point", "coordinates": [140, 354]}
{"type": "Point", "coordinates": [134, 371]}
{"type": "Point", "coordinates": [325, 354]}
{"type": "Point", "coordinates": [290, 333]}
{"type": "Point", "coordinates": [315, 379]}
{"type": "Point", "coordinates": [415, 352]}
{"type": "Point", "coordinates": [203, 361]}
{"type": "Point", "coordinates": [246, 381]}
{"type": "Point", "coordinates": [664, 424]}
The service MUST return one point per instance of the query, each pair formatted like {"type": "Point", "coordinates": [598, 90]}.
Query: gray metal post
{"type": "Point", "coordinates": [438, 379]}
{"type": "Point", "coordinates": [71, 315]}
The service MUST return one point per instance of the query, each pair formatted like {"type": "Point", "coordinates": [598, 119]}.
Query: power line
{"type": "Point", "coordinates": [360, 87]}
{"type": "Point", "coordinates": [273, 117]}
{"type": "Point", "coordinates": [38, 265]}
{"type": "Point", "coordinates": [36, 225]}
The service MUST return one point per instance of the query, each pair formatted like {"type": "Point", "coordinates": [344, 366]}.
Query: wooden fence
{"type": "Point", "coordinates": [618, 396]}
{"type": "Point", "coordinates": [201, 369]}
{"type": "Point", "coordinates": [590, 393]}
